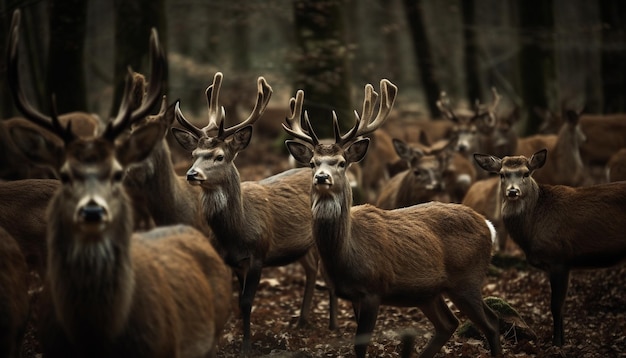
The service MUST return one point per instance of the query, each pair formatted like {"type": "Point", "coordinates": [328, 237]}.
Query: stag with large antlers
{"type": "Point", "coordinates": [249, 218]}
{"type": "Point", "coordinates": [403, 257]}
{"type": "Point", "coordinates": [109, 292]}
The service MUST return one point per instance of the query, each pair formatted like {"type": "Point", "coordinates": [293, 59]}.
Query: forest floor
{"type": "Point", "coordinates": [595, 319]}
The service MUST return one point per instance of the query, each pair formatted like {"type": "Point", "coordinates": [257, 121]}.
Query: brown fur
{"type": "Point", "coordinates": [560, 228]}
{"type": "Point", "coordinates": [404, 257]}
{"type": "Point", "coordinates": [250, 220]}
{"type": "Point", "coordinates": [14, 300]}
{"type": "Point", "coordinates": [27, 196]}
{"type": "Point", "coordinates": [616, 167]}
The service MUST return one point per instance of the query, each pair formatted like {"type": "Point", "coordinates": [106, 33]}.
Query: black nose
{"type": "Point", "coordinates": [191, 174]}
{"type": "Point", "coordinates": [92, 212]}
{"type": "Point", "coordinates": [322, 179]}
{"type": "Point", "coordinates": [512, 193]}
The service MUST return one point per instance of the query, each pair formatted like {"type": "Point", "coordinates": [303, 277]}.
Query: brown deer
{"type": "Point", "coordinates": [248, 218]}
{"type": "Point", "coordinates": [423, 180]}
{"type": "Point", "coordinates": [177, 202]}
{"type": "Point", "coordinates": [403, 257]}
{"type": "Point", "coordinates": [565, 169]}
{"type": "Point", "coordinates": [109, 292]}
{"type": "Point", "coordinates": [14, 300]}
{"type": "Point", "coordinates": [560, 228]}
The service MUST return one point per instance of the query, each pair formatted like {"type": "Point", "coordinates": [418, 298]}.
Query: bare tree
{"type": "Point", "coordinates": [321, 63]}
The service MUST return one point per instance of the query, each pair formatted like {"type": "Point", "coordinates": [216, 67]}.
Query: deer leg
{"type": "Point", "coordinates": [445, 322]}
{"type": "Point", "coordinates": [368, 312]}
{"type": "Point", "coordinates": [471, 303]}
{"type": "Point", "coordinates": [559, 280]}
{"type": "Point", "coordinates": [309, 263]}
{"type": "Point", "coordinates": [249, 282]}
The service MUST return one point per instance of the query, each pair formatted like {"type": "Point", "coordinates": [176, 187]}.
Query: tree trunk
{"type": "Point", "coordinates": [537, 63]}
{"type": "Point", "coordinates": [133, 22]}
{"type": "Point", "coordinates": [423, 56]}
{"type": "Point", "coordinates": [472, 74]}
{"type": "Point", "coordinates": [322, 63]}
{"type": "Point", "coordinates": [66, 70]}
{"type": "Point", "coordinates": [613, 55]}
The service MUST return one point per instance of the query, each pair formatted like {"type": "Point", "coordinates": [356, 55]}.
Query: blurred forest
{"type": "Point", "coordinates": [547, 54]}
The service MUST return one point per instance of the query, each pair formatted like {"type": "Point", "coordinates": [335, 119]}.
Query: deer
{"type": "Point", "coordinates": [248, 218]}
{"type": "Point", "coordinates": [423, 180]}
{"type": "Point", "coordinates": [110, 292]}
{"type": "Point", "coordinates": [14, 300]}
{"type": "Point", "coordinates": [560, 228]}
{"type": "Point", "coordinates": [177, 202]}
{"type": "Point", "coordinates": [404, 257]}
{"type": "Point", "coordinates": [566, 169]}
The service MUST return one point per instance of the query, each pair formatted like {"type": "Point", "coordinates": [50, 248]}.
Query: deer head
{"type": "Point", "coordinates": [330, 161]}
{"type": "Point", "coordinates": [214, 147]}
{"type": "Point", "coordinates": [469, 126]}
{"type": "Point", "coordinates": [90, 168]}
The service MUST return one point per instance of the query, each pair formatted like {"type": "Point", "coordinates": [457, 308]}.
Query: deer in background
{"type": "Point", "coordinates": [566, 168]}
{"type": "Point", "coordinates": [14, 300]}
{"type": "Point", "coordinates": [248, 218]}
{"type": "Point", "coordinates": [403, 257]}
{"type": "Point", "coordinates": [606, 134]}
{"type": "Point", "coordinates": [165, 293]}
{"type": "Point", "coordinates": [423, 180]}
{"type": "Point", "coordinates": [558, 227]}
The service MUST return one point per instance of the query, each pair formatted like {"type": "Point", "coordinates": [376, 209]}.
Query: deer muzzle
{"type": "Point", "coordinates": [92, 210]}
{"type": "Point", "coordinates": [322, 180]}
{"type": "Point", "coordinates": [512, 193]}
{"type": "Point", "coordinates": [195, 177]}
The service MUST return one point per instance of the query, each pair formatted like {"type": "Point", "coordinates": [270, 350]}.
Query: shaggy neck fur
{"type": "Point", "coordinates": [91, 278]}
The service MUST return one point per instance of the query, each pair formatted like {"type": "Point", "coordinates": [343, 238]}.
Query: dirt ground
{"type": "Point", "coordinates": [595, 319]}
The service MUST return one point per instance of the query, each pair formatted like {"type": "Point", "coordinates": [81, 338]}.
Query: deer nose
{"type": "Point", "coordinates": [322, 178]}
{"type": "Point", "coordinates": [194, 175]}
{"type": "Point", "coordinates": [92, 212]}
{"type": "Point", "coordinates": [512, 193]}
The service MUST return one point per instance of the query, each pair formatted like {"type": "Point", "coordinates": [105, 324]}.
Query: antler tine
{"type": "Point", "coordinates": [496, 100]}
{"type": "Point", "coordinates": [366, 125]}
{"type": "Point", "coordinates": [21, 102]}
{"type": "Point", "coordinates": [126, 115]}
{"type": "Point", "coordinates": [178, 114]}
{"type": "Point", "coordinates": [263, 97]}
{"type": "Point", "coordinates": [294, 120]}
{"type": "Point", "coordinates": [444, 105]}
{"type": "Point", "coordinates": [216, 113]}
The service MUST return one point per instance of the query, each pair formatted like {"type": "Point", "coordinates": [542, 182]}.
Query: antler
{"type": "Point", "coordinates": [216, 113]}
{"type": "Point", "coordinates": [50, 123]}
{"type": "Point", "coordinates": [364, 124]}
{"type": "Point", "coordinates": [127, 114]}
{"type": "Point", "coordinates": [293, 125]}
{"type": "Point", "coordinates": [443, 103]}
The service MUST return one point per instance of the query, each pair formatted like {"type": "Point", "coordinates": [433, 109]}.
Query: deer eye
{"type": "Point", "coordinates": [311, 164]}
{"type": "Point", "coordinates": [64, 177]}
{"type": "Point", "coordinates": [118, 176]}
{"type": "Point", "coordinates": [219, 158]}
{"type": "Point", "coordinates": [526, 175]}
{"type": "Point", "coordinates": [342, 164]}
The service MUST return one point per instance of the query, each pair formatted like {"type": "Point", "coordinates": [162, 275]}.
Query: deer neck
{"type": "Point", "coordinates": [222, 204]}
{"type": "Point", "coordinates": [518, 215]}
{"type": "Point", "coordinates": [568, 161]}
{"type": "Point", "coordinates": [90, 277]}
{"type": "Point", "coordinates": [332, 226]}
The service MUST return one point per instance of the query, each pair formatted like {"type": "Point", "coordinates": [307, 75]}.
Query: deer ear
{"type": "Point", "coordinates": [241, 138]}
{"type": "Point", "coordinates": [37, 147]}
{"type": "Point", "coordinates": [538, 159]}
{"type": "Point", "coordinates": [301, 152]}
{"type": "Point", "coordinates": [402, 149]}
{"type": "Point", "coordinates": [139, 144]}
{"type": "Point", "coordinates": [188, 141]}
{"type": "Point", "coordinates": [489, 163]}
{"type": "Point", "coordinates": [357, 150]}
